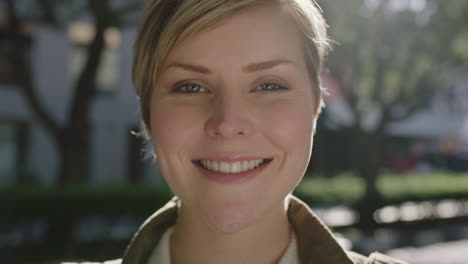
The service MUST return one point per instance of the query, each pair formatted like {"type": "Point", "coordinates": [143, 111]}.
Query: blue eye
{"type": "Point", "coordinates": [270, 87]}
{"type": "Point", "coordinates": [189, 88]}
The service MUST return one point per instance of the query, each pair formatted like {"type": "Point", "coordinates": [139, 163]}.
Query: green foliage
{"type": "Point", "coordinates": [389, 57]}
{"type": "Point", "coordinates": [342, 189]}
{"type": "Point", "coordinates": [420, 187]}
{"type": "Point", "coordinates": [70, 201]}
{"type": "Point", "coordinates": [348, 189]}
{"type": "Point", "coordinates": [389, 61]}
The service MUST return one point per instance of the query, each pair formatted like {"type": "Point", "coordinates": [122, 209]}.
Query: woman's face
{"type": "Point", "coordinates": [229, 100]}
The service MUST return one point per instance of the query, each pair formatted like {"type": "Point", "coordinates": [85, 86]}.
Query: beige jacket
{"type": "Point", "coordinates": [315, 242]}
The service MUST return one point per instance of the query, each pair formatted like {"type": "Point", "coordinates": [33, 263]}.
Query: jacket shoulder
{"type": "Point", "coordinates": [374, 258]}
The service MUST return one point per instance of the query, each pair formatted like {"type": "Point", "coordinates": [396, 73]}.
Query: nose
{"type": "Point", "coordinates": [229, 118]}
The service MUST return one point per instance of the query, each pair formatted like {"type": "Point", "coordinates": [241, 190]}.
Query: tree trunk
{"type": "Point", "coordinates": [368, 167]}
{"type": "Point", "coordinates": [74, 142]}
{"type": "Point", "coordinates": [371, 200]}
{"type": "Point", "coordinates": [74, 157]}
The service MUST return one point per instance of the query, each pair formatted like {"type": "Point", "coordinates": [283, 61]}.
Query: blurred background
{"type": "Point", "coordinates": [389, 170]}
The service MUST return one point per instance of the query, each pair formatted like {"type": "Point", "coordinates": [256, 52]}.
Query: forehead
{"type": "Point", "coordinates": [257, 33]}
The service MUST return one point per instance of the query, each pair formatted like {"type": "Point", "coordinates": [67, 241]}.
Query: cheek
{"type": "Point", "coordinates": [172, 127]}
{"type": "Point", "coordinates": [291, 125]}
{"type": "Point", "coordinates": [173, 132]}
{"type": "Point", "coordinates": [291, 130]}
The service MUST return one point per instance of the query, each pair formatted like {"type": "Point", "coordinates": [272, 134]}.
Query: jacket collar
{"type": "Point", "coordinates": [315, 242]}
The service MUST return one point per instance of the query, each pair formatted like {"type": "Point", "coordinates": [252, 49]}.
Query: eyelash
{"type": "Point", "coordinates": [184, 88]}
{"type": "Point", "coordinates": [189, 88]}
{"type": "Point", "coordinates": [273, 87]}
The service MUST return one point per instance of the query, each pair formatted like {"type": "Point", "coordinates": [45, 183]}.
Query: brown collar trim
{"type": "Point", "coordinates": [315, 241]}
{"type": "Point", "coordinates": [150, 232]}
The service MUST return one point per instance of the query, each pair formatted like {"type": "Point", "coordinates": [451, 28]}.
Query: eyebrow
{"type": "Point", "coordinates": [188, 67]}
{"type": "Point", "coordinates": [265, 65]}
{"type": "Point", "coordinates": [253, 67]}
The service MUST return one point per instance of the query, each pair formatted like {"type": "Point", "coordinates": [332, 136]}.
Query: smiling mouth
{"type": "Point", "coordinates": [231, 167]}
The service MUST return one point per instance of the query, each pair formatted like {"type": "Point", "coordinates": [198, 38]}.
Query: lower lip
{"type": "Point", "coordinates": [233, 178]}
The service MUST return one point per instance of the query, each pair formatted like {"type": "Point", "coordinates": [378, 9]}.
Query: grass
{"type": "Point", "coordinates": [348, 188]}
{"type": "Point", "coordinates": [417, 185]}
{"type": "Point", "coordinates": [344, 188]}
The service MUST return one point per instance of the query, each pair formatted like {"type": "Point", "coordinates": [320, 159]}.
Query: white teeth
{"type": "Point", "coordinates": [245, 165]}
{"type": "Point", "coordinates": [234, 167]}
{"type": "Point", "coordinates": [214, 166]}
{"type": "Point", "coordinates": [224, 167]}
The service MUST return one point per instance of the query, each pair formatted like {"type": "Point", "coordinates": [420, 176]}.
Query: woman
{"type": "Point", "coordinates": [230, 94]}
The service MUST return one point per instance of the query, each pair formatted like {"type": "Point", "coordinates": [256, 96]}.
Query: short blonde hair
{"type": "Point", "coordinates": [164, 22]}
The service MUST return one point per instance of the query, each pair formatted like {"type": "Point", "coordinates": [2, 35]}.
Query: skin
{"type": "Point", "coordinates": [230, 115]}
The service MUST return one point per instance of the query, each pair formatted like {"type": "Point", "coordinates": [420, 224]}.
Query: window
{"type": "Point", "coordinates": [81, 35]}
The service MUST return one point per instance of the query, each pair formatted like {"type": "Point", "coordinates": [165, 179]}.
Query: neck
{"type": "Point", "coordinates": [264, 241]}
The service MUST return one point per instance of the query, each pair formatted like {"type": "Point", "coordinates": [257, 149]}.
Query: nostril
{"type": "Point", "coordinates": [229, 128]}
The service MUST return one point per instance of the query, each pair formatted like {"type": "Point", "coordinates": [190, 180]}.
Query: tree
{"type": "Point", "coordinates": [71, 138]}
{"type": "Point", "coordinates": [390, 59]}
